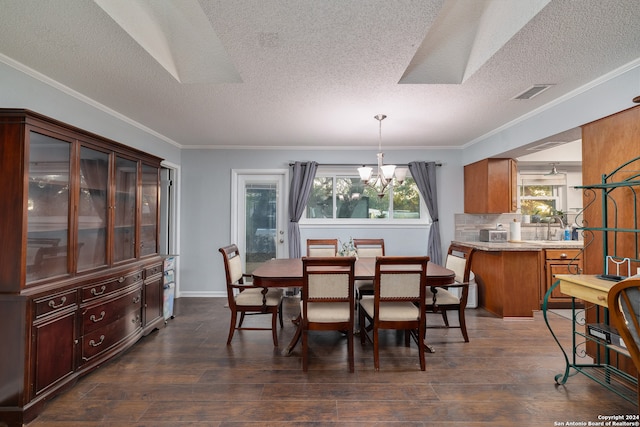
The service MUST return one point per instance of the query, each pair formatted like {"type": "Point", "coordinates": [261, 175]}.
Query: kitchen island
{"type": "Point", "coordinates": [513, 276]}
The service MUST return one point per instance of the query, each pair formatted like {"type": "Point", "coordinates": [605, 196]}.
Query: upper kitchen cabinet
{"type": "Point", "coordinates": [490, 186]}
{"type": "Point", "coordinates": [72, 202]}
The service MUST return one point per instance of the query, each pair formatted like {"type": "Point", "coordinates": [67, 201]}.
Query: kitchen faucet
{"type": "Point", "coordinates": [554, 218]}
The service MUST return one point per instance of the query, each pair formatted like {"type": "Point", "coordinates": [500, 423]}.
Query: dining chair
{"type": "Point", "coordinates": [441, 299]}
{"type": "Point", "coordinates": [322, 247]}
{"type": "Point", "coordinates": [624, 312]}
{"type": "Point", "coordinates": [327, 300]}
{"type": "Point", "coordinates": [246, 299]}
{"type": "Point", "coordinates": [398, 302]}
{"type": "Point", "coordinates": [367, 248]}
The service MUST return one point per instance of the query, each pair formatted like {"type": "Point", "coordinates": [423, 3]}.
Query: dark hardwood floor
{"type": "Point", "coordinates": [185, 375]}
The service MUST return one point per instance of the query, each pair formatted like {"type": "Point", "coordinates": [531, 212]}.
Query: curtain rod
{"type": "Point", "coordinates": [359, 164]}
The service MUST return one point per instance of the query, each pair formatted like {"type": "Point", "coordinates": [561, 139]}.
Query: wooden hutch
{"type": "Point", "coordinates": [80, 273]}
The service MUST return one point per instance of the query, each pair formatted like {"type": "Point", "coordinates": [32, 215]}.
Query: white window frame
{"type": "Point", "coordinates": [558, 188]}
{"type": "Point", "coordinates": [341, 172]}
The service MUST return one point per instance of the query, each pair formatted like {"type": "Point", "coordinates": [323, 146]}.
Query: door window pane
{"type": "Point", "coordinates": [47, 207]}
{"type": "Point", "coordinates": [92, 208]}
{"type": "Point", "coordinates": [260, 223]}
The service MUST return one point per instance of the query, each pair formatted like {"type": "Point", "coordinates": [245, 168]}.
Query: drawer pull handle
{"type": "Point", "coordinates": [121, 279]}
{"type": "Point", "coordinates": [136, 299]}
{"type": "Point", "coordinates": [92, 343]}
{"type": "Point", "coordinates": [94, 319]}
{"type": "Point", "coordinates": [563, 255]}
{"type": "Point", "coordinates": [100, 292]}
{"type": "Point", "coordinates": [135, 320]}
{"type": "Point", "coordinates": [602, 298]}
{"type": "Point", "coordinates": [53, 304]}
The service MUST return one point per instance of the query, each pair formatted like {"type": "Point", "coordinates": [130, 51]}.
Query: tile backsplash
{"type": "Point", "coordinates": [468, 226]}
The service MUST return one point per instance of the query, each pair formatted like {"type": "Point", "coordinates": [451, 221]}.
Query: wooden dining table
{"type": "Point", "coordinates": [287, 273]}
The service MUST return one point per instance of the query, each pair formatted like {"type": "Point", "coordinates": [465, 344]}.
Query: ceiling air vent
{"type": "Point", "coordinates": [533, 91]}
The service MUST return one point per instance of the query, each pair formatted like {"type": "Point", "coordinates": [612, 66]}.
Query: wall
{"type": "Point", "coordinates": [206, 221]}
{"type": "Point", "coordinates": [205, 180]}
{"type": "Point", "coordinates": [605, 96]}
{"type": "Point", "coordinates": [20, 90]}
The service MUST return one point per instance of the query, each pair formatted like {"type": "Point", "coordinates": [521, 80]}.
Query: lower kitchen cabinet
{"type": "Point", "coordinates": [560, 261]}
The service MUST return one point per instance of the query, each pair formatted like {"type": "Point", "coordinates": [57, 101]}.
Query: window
{"type": "Point", "coordinates": [541, 194]}
{"type": "Point", "coordinates": [340, 195]}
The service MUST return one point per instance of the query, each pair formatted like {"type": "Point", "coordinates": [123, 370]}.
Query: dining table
{"type": "Point", "coordinates": [287, 273]}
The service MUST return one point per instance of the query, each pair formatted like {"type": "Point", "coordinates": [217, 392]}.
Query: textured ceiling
{"type": "Point", "coordinates": [298, 73]}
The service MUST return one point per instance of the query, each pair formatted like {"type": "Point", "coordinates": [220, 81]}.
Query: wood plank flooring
{"type": "Point", "coordinates": [186, 375]}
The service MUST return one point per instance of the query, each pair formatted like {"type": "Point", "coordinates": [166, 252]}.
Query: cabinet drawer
{"type": "Point", "coordinates": [153, 270]}
{"type": "Point", "coordinates": [54, 303]}
{"type": "Point", "coordinates": [563, 254]}
{"type": "Point", "coordinates": [104, 338]}
{"type": "Point", "coordinates": [103, 288]}
{"type": "Point", "coordinates": [100, 315]}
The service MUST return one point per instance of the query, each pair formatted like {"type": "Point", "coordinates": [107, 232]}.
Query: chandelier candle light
{"type": "Point", "coordinates": [385, 173]}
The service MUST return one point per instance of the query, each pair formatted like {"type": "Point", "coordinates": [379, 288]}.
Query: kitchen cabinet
{"type": "Point", "coordinates": [80, 273]}
{"type": "Point", "coordinates": [560, 261]}
{"type": "Point", "coordinates": [490, 186]}
{"type": "Point", "coordinates": [607, 144]}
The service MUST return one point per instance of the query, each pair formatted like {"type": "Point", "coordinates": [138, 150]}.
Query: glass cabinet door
{"type": "Point", "coordinates": [93, 209]}
{"type": "Point", "coordinates": [124, 236]}
{"type": "Point", "coordinates": [47, 207]}
{"type": "Point", "coordinates": [149, 211]}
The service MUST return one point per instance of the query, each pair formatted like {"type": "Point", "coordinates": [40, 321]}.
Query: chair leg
{"type": "Point", "coordinates": [241, 319]}
{"type": "Point", "coordinates": [274, 329]}
{"type": "Point", "coordinates": [350, 349]}
{"type": "Point", "coordinates": [444, 317]}
{"type": "Point", "coordinates": [422, 336]}
{"type": "Point", "coordinates": [361, 325]}
{"type": "Point", "coordinates": [376, 355]}
{"type": "Point", "coordinates": [463, 324]}
{"type": "Point", "coordinates": [280, 315]}
{"type": "Point", "coordinates": [232, 326]}
{"type": "Point", "coordinates": [305, 355]}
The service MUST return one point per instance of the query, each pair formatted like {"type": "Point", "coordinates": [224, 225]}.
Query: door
{"type": "Point", "coordinates": [258, 223]}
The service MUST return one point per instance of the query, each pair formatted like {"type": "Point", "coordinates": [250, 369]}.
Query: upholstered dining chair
{"type": "Point", "coordinates": [398, 303]}
{"type": "Point", "coordinates": [440, 299]}
{"type": "Point", "coordinates": [624, 312]}
{"type": "Point", "coordinates": [246, 299]}
{"type": "Point", "coordinates": [327, 300]}
{"type": "Point", "coordinates": [322, 247]}
{"type": "Point", "coordinates": [367, 248]}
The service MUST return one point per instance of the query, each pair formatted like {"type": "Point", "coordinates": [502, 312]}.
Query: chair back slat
{"type": "Point", "coordinates": [401, 279]}
{"type": "Point", "coordinates": [235, 269]}
{"type": "Point", "coordinates": [322, 286]}
{"type": "Point", "coordinates": [322, 248]}
{"type": "Point", "coordinates": [369, 248]}
{"type": "Point", "coordinates": [458, 265]}
{"type": "Point", "coordinates": [395, 286]}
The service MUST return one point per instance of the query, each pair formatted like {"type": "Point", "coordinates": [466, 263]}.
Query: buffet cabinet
{"type": "Point", "coordinates": [80, 274]}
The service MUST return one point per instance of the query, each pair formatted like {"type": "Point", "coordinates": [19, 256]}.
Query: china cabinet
{"type": "Point", "coordinates": [80, 274]}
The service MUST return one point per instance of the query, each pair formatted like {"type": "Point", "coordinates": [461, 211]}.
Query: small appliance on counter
{"type": "Point", "coordinates": [497, 234]}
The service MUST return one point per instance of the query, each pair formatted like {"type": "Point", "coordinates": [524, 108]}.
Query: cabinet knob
{"type": "Point", "coordinates": [563, 255]}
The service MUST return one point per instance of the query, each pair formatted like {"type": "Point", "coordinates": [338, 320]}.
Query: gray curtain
{"type": "Point", "coordinates": [301, 184]}
{"type": "Point", "coordinates": [424, 174]}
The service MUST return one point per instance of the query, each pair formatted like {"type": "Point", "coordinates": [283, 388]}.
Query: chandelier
{"type": "Point", "coordinates": [385, 174]}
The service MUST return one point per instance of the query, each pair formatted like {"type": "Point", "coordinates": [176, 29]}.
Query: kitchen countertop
{"type": "Point", "coordinates": [524, 245]}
